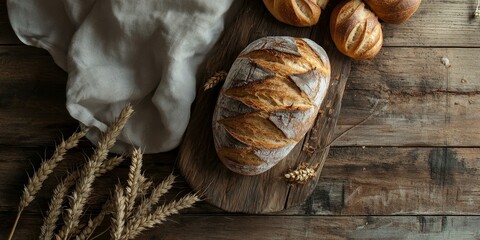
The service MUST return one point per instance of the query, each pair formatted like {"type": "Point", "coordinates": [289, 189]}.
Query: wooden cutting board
{"type": "Point", "coordinates": [267, 192]}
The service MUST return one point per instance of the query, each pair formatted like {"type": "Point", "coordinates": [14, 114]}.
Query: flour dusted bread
{"type": "Point", "coordinates": [356, 30]}
{"type": "Point", "coordinates": [394, 11]}
{"type": "Point", "coordinates": [268, 102]}
{"type": "Point", "coordinates": [300, 13]}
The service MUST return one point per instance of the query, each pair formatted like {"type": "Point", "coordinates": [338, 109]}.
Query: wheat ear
{"type": "Point", "coordinates": [147, 204]}
{"type": "Point", "coordinates": [118, 219]}
{"type": "Point", "coordinates": [106, 209]}
{"type": "Point", "coordinates": [35, 183]}
{"type": "Point", "coordinates": [92, 224]}
{"type": "Point", "coordinates": [161, 213]}
{"type": "Point", "coordinates": [144, 186]}
{"type": "Point", "coordinates": [60, 192]}
{"type": "Point", "coordinates": [84, 187]}
{"type": "Point", "coordinates": [134, 180]}
{"type": "Point", "coordinates": [213, 81]}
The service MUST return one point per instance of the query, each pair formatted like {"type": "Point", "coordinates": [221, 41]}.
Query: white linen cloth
{"type": "Point", "coordinates": [117, 51]}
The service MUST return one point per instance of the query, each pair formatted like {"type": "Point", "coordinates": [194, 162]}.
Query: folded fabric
{"type": "Point", "coordinates": [143, 52]}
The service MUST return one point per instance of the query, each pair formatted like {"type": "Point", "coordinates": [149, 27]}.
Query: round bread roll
{"type": "Point", "coordinates": [356, 30]}
{"type": "Point", "coordinates": [394, 11]}
{"type": "Point", "coordinates": [268, 102]}
{"type": "Point", "coordinates": [300, 13]}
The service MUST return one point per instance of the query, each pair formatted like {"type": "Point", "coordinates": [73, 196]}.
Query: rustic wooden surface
{"type": "Point", "coordinates": [267, 192]}
{"type": "Point", "coordinates": [418, 176]}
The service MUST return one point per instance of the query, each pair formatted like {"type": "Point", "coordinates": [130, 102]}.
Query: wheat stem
{"type": "Point", "coordinates": [61, 190]}
{"type": "Point", "coordinates": [46, 168]}
{"type": "Point", "coordinates": [84, 187]}
{"type": "Point", "coordinates": [161, 213]}
{"type": "Point", "coordinates": [374, 111]}
{"type": "Point", "coordinates": [15, 224]}
{"type": "Point", "coordinates": [134, 180]}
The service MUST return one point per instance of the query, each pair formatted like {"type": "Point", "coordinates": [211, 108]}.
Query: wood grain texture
{"type": "Point", "coordinates": [329, 228]}
{"type": "Point", "coordinates": [354, 181]}
{"type": "Point", "coordinates": [232, 227]}
{"type": "Point", "coordinates": [267, 192]}
{"type": "Point", "coordinates": [437, 23]}
{"type": "Point", "coordinates": [412, 82]}
{"type": "Point", "coordinates": [427, 105]}
{"type": "Point", "coordinates": [32, 97]}
{"type": "Point", "coordinates": [397, 181]}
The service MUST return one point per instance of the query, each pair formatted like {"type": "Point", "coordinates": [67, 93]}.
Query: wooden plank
{"type": "Point", "coordinates": [385, 181]}
{"type": "Point", "coordinates": [426, 103]}
{"type": "Point", "coordinates": [446, 23]}
{"type": "Point", "coordinates": [32, 97]}
{"type": "Point", "coordinates": [231, 227]}
{"type": "Point", "coordinates": [354, 181]}
{"type": "Point", "coordinates": [441, 23]}
{"type": "Point", "coordinates": [418, 71]}
{"type": "Point", "coordinates": [279, 227]}
{"type": "Point", "coordinates": [414, 71]}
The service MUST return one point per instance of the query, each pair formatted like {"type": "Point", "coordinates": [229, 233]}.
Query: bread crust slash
{"type": "Point", "coordinates": [268, 102]}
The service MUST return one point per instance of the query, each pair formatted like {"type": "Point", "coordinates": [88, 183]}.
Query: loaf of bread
{"type": "Point", "coordinates": [268, 102]}
{"type": "Point", "coordinates": [394, 11]}
{"type": "Point", "coordinates": [356, 30]}
{"type": "Point", "coordinates": [300, 13]}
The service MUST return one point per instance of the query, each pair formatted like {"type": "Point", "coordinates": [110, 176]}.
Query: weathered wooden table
{"type": "Point", "coordinates": [411, 171]}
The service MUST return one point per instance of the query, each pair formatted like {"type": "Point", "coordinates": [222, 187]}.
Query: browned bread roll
{"type": "Point", "coordinates": [300, 13]}
{"type": "Point", "coordinates": [394, 11]}
{"type": "Point", "coordinates": [355, 30]}
{"type": "Point", "coordinates": [268, 102]}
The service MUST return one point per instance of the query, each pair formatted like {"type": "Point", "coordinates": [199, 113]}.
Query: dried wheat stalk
{"type": "Point", "coordinates": [35, 183]}
{"type": "Point", "coordinates": [60, 192]}
{"type": "Point", "coordinates": [213, 81]}
{"type": "Point", "coordinates": [118, 219]}
{"type": "Point", "coordinates": [125, 224]}
{"type": "Point", "coordinates": [302, 174]}
{"type": "Point", "coordinates": [84, 187]}
{"type": "Point", "coordinates": [134, 180]}
{"type": "Point", "coordinates": [161, 213]}
{"type": "Point", "coordinates": [144, 186]}
{"type": "Point", "coordinates": [92, 224]}
{"type": "Point", "coordinates": [147, 204]}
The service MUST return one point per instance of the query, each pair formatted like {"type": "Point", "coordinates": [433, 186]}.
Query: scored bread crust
{"type": "Point", "coordinates": [268, 102]}
{"type": "Point", "coordinates": [356, 30]}
{"type": "Point", "coordinates": [394, 11]}
{"type": "Point", "coordinates": [300, 13]}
